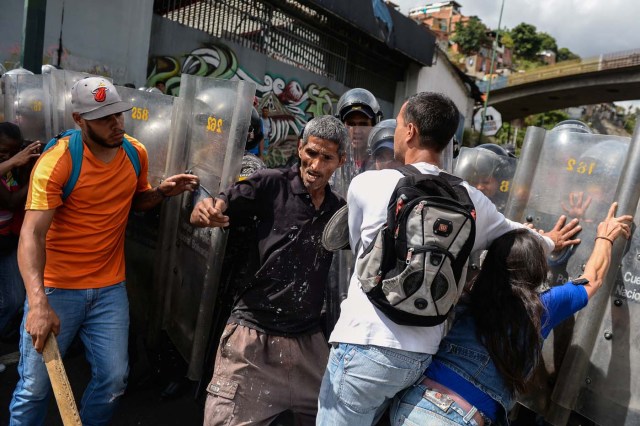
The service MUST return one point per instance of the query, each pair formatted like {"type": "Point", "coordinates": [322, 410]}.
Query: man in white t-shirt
{"type": "Point", "coordinates": [372, 357]}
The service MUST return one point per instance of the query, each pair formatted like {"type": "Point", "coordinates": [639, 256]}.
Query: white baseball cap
{"type": "Point", "coordinates": [96, 97]}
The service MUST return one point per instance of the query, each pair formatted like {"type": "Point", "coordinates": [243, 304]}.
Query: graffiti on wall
{"type": "Point", "coordinates": [290, 104]}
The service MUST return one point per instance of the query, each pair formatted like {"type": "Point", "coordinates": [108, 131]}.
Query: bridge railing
{"type": "Point", "coordinates": [578, 66]}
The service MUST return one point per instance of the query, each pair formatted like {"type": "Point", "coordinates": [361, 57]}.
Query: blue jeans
{"type": "Point", "coordinates": [11, 288]}
{"type": "Point", "coordinates": [411, 409]}
{"type": "Point", "coordinates": [360, 382]}
{"type": "Point", "coordinates": [101, 317]}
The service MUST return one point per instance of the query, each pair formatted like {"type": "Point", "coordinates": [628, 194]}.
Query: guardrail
{"type": "Point", "coordinates": [578, 66]}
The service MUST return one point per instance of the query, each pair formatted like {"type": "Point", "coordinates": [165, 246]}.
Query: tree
{"type": "Point", "coordinates": [630, 120]}
{"type": "Point", "coordinates": [548, 119]}
{"type": "Point", "coordinates": [526, 41]}
{"type": "Point", "coordinates": [470, 36]}
{"type": "Point", "coordinates": [565, 54]}
{"type": "Point", "coordinates": [506, 40]}
{"type": "Point", "coordinates": [547, 42]}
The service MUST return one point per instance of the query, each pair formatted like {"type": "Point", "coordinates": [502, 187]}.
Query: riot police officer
{"type": "Point", "coordinates": [359, 110]}
{"type": "Point", "coordinates": [380, 145]}
{"type": "Point", "coordinates": [489, 168]}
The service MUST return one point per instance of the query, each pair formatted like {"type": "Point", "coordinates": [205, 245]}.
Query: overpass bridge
{"type": "Point", "coordinates": [606, 78]}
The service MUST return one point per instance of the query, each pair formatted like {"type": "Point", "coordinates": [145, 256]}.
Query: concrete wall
{"type": "Point", "coordinates": [108, 38]}
{"type": "Point", "coordinates": [441, 77]}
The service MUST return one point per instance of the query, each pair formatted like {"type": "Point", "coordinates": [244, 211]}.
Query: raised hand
{"type": "Point", "coordinates": [562, 234]}
{"type": "Point", "coordinates": [612, 227]}
{"type": "Point", "coordinates": [177, 184]}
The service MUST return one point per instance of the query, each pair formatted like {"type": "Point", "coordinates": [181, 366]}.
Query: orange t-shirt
{"type": "Point", "coordinates": [85, 243]}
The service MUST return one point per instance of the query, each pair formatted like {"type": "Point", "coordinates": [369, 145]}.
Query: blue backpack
{"type": "Point", "coordinates": [76, 148]}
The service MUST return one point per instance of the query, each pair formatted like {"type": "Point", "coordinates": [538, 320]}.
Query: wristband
{"type": "Point", "coordinates": [605, 238]}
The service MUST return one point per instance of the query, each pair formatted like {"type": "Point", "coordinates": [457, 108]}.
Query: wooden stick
{"type": "Point", "coordinates": [60, 383]}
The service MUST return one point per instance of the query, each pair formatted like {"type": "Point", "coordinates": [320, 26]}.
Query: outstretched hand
{"type": "Point", "coordinates": [578, 204]}
{"type": "Point", "coordinates": [210, 213]}
{"type": "Point", "coordinates": [177, 184]}
{"type": "Point", "coordinates": [562, 234]}
{"type": "Point", "coordinates": [613, 227]}
{"type": "Point", "coordinates": [30, 152]}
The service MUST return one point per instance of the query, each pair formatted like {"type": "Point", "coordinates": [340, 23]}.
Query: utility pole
{"type": "Point", "coordinates": [493, 58]}
{"type": "Point", "coordinates": [33, 35]}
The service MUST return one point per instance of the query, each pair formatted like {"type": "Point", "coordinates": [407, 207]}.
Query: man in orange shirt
{"type": "Point", "coordinates": [71, 252]}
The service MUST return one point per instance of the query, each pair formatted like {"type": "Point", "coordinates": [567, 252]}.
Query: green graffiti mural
{"type": "Point", "coordinates": [289, 103]}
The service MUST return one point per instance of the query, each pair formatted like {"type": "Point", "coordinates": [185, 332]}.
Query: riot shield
{"type": "Point", "coordinates": [2, 101]}
{"type": "Point", "coordinates": [564, 173]}
{"type": "Point", "coordinates": [149, 121]}
{"type": "Point", "coordinates": [211, 121]}
{"type": "Point", "coordinates": [25, 105]}
{"type": "Point", "coordinates": [57, 87]}
{"type": "Point", "coordinates": [446, 158]}
{"type": "Point", "coordinates": [598, 377]}
{"type": "Point", "coordinates": [488, 172]}
{"type": "Point", "coordinates": [357, 161]}
{"type": "Point", "coordinates": [358, 136]}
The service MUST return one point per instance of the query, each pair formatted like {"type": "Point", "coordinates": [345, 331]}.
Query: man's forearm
{"type": "Point", "coordinates": [31, 261]}
{"type": "Point", "coordinates": [148, 199]}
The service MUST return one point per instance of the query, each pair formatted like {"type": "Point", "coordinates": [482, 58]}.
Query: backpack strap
{"type": "Point", "coordinates": [456, 184]}
{"type": "Point", "coordinates": [76, 149]}
{"type": "Point", "coordinates": [409, 170]}
{"type": "Point", "coordinates": [132, 153]}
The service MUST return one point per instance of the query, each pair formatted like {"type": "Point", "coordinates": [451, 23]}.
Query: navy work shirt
{"type": "Point", "coordinates": [286, 294]}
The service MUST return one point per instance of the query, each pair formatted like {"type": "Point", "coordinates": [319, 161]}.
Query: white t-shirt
{"type": "Point", "coordinates": [362, 323]}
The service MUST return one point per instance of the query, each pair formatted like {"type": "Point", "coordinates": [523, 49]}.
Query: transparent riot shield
{"type": "Point", "coordinates": [149, 121]}
{"type": "Point", "coordinates": [2, 101]}
{"type": "Point", "coordinates": [446, 158]}
{"type": "Point", "coordinates": [573, 174]}
{"type": "Point", "coordinates": [357, 161]}
{"type": "Point", "coordinates": [25, 105]}
{"type": "Point", "coordinates": [57, 87]}
{"type": "Point", "coordinates": [211, 120]}
{"type": "Point", "coordinates": [487, 171]}
{"type": "Point", "coordinates": [599, 377]}
{"type": "Point", "coordinates": [358, 158]}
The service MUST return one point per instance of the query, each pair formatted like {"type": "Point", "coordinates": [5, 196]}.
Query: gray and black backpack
{"type": "Point", "coordinates": [413, 270]}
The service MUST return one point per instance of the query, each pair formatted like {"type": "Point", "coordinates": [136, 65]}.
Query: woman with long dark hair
{"type": "Point", "coordinates": [494, 344]}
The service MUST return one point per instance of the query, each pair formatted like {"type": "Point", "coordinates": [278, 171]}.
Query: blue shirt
{"type": "Point", "coordinates": [560, 303]}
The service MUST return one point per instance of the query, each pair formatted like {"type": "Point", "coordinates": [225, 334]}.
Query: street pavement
{"type": "Point", "coordinates": [143, 403]}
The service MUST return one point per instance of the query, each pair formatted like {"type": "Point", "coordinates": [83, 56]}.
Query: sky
{"type": "Point", "coordinates": [587, 27]}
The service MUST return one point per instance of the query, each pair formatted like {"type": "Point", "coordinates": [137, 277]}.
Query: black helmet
{"type": "Point", "coordinates": [359, 100]}
{"type": "Point", "coordinates": [482, 161]}
{"type": "Point", "coordinates": [496, 149]}
{"type": "Point", "coordinates": [381, 136]}
{"type": "Point", "coordinates": [255, 130]}
{"type": "Point", "coordinates": [572, 126]}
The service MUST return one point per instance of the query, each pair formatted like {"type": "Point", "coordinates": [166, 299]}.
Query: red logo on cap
{"type": "Point", "coordinates": [100, 94]}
